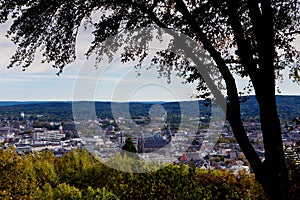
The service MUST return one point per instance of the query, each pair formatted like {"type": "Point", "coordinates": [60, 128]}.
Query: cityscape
{"type": "Point", "coordinates": [29, 134]}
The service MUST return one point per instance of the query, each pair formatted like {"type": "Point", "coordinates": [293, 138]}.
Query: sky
{"type": "Point", "coordinates": [82, 81]}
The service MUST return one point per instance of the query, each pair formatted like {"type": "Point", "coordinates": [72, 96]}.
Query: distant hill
{"type": "Point", "coordinates": [288, 108]}
{"type": "Point", "coordinates": [13, 103]}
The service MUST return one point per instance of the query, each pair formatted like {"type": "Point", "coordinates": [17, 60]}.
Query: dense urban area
{"type": "Point", "coordinates": [36, 130]}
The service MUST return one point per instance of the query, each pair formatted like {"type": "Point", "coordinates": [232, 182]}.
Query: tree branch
{"type": "Point", "coordinates": [244, 45]}
{"type": "Point", "coordinates": [262, 22]}
{"type": "Point", "coordinates": [233, 112]}
{"type": "Point", "coordinates": [292, 33]}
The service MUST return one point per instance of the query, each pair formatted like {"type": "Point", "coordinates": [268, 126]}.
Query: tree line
{"type": "Point", "coordinates": [79, 175]}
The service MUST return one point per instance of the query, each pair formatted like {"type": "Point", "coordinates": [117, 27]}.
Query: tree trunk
{"type": "Point", "coordinates": [274, 177]}
{"type": "Point", "coordinates": [238, 129]}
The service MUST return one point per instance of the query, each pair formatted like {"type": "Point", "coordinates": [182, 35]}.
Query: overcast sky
{"type": "Point", "coordinates": [81, 81]}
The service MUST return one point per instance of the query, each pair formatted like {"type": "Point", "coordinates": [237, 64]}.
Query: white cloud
{"type": "Point", "coordinates": [111, 80]}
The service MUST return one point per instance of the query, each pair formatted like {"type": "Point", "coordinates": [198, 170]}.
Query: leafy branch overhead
{"type": "Point", "coordinates": [52, 27]}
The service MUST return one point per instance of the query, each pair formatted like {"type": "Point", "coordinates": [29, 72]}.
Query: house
{"type": "Point", "coordinates": [191, 156]}
{"type": "Point", "coordinates": [183, 158]}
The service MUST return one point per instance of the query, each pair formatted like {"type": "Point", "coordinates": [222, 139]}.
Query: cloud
{"type": "Point", "coordinates": [115, 79]}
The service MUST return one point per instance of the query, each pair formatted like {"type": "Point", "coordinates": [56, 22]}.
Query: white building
{"type": "Point", "coordinates": [48, 135]}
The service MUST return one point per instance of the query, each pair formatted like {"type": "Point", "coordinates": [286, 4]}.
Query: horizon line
{"type": "Point", "coordinates": [107, 100]}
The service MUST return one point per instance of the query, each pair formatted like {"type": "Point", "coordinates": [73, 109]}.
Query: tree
{"type": "Point", "coordinates": [248, 38]}
{"type": "Point", "coordinates": [65, 191]}
{"type": "Point", "coordinates": [129, 146]}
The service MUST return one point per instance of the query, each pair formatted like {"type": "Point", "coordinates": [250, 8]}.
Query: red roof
{"type": "Point", "coordinates": [183, 157]}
